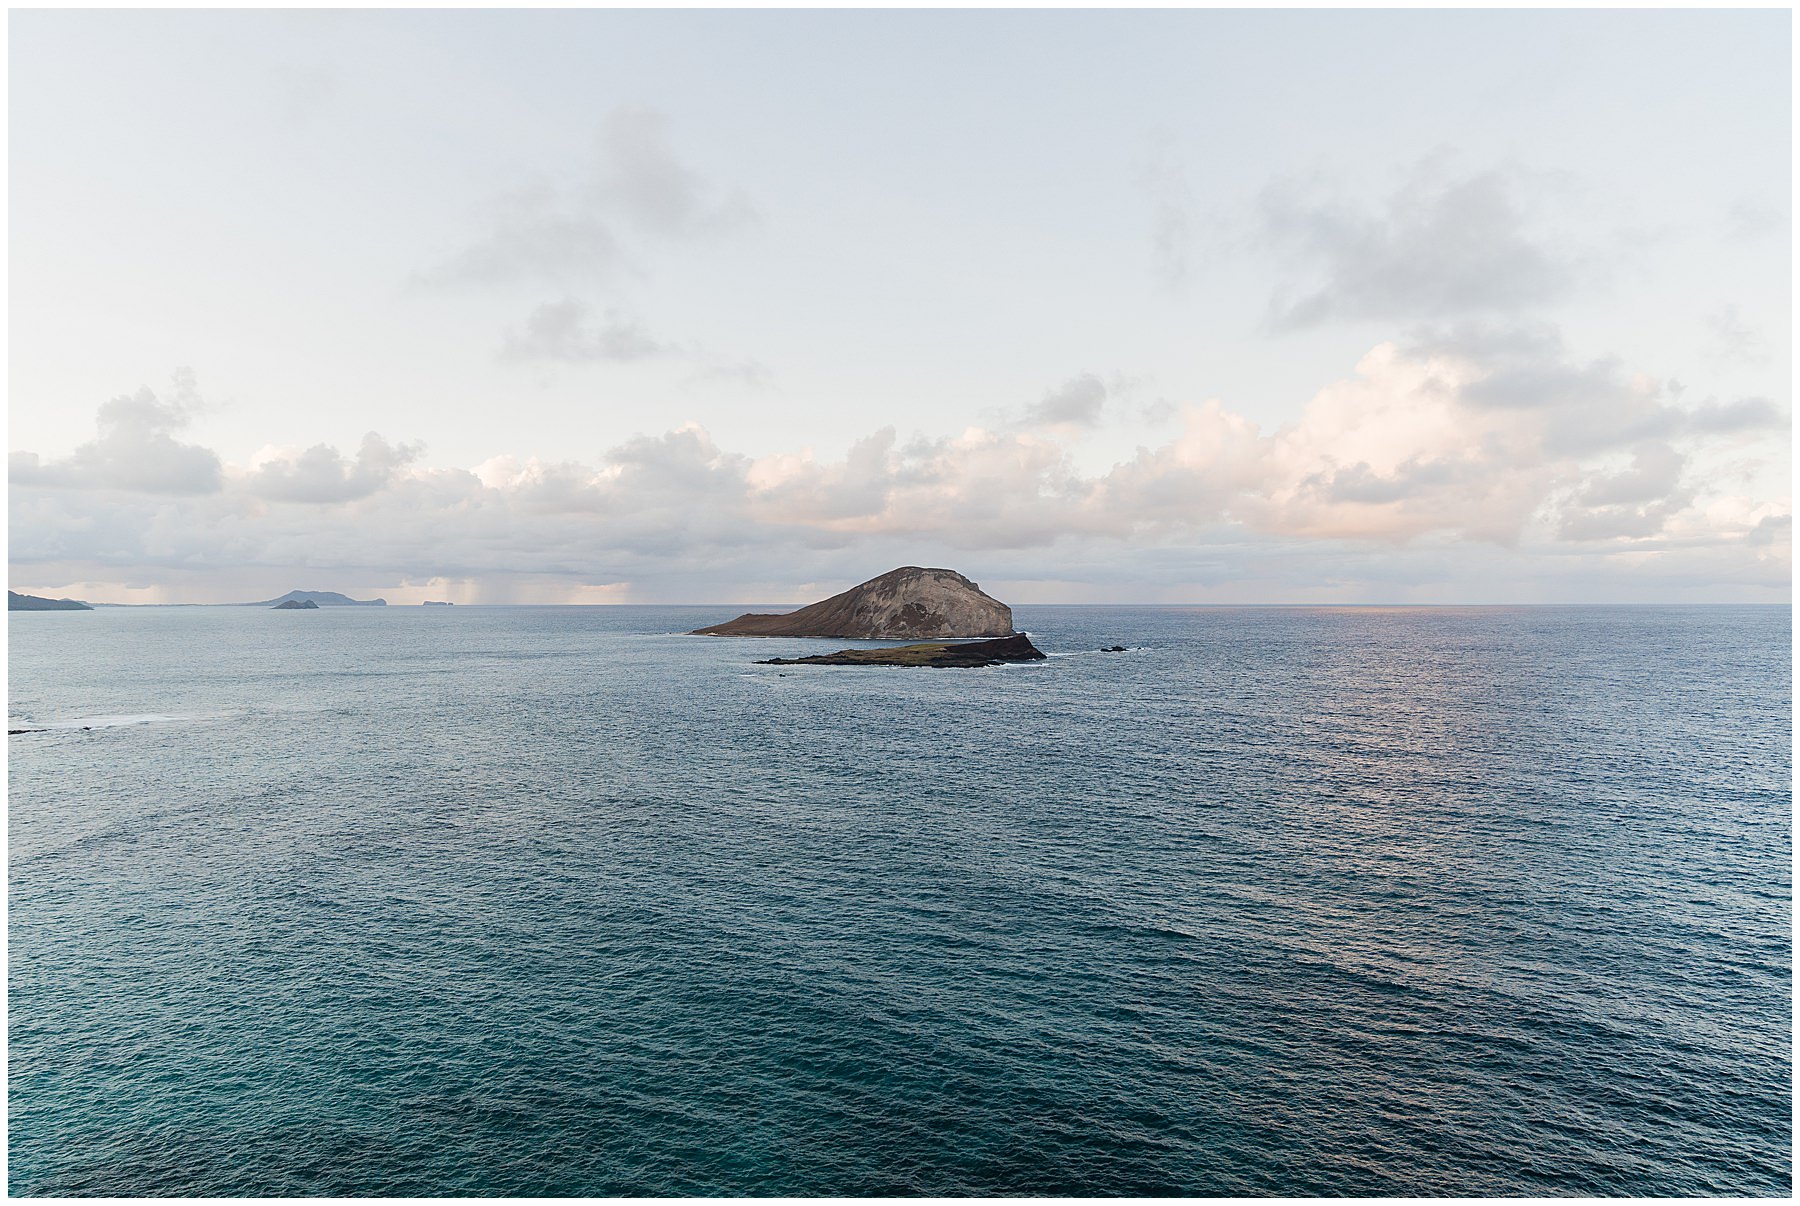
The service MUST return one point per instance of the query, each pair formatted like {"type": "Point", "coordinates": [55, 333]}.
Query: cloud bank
{"type": "Point", "coordinates": [1451, 453]}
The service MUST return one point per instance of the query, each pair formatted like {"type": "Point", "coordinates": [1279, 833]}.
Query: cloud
{"type": "Point", "coordinates": [1398, 452]}
{"type": "Point", "coordinates": [568, 332]}
{"type": "Point", "coordinates": [796, 489]}
{"type": "Point", "coordinates": [1745, 414]}
{"type": "Point", "coordinates": [1654, 473]}
{"type": "Point", "coordinates": [640, 178]}
{"type": "Point", "coordinates": [1632, 503]}
{"type": "Point", "coordinates": [578, 233]}
{"type": "Point", "coordinates": [562, 331]}
{"type": "Point", "coordinates": [1734, 341]}
{"type": "Point", "coordinates": [531, 234]}
{"type": "Point", "coordinates": [1748, 221]}
{"type": "Point", "coordinates": [1440, 247]}
{"type": "Point", "coordinates": [135, 449]}
{"type": "Point", "coordinates": [1077, 402]}
{"type": "Point", "coordinates": [1772, 530]}
{"type": "Point", "coordinates": [1585, 407]}
{"type": "Point", "coordinates": [1164, 180]}
{"type": "Point", "coordinates": [1428, 451]}
{"type": "Point", "coordinates": [322, 475]}
{"type": "Point", "coordinates": [744, 371]}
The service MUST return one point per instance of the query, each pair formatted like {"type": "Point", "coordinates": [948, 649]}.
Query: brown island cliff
{"type": "Point", "coordinates": [938, 605]}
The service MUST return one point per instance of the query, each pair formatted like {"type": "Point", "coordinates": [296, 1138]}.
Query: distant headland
{"type": "Point", "coordinates": [318, 598]}
{"type": "Point", "coordinates": [18, 602]}
{"type": "Point", "coordinates": [902, 603]}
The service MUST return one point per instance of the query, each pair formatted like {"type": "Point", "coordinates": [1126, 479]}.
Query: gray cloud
{"type": "Point", "coordinates": [748, 372]}
{"type": "Point", "coordinates": [568, 332]}
{"type": "Point", "coordinates": [1587, 408]}
{"type": "Point", "coordinates": [1745, 414]}
{"type": "Point", "coordinates": [1077, 402]}
{"type": "Point", "coordinates": [1751, 220]}
{"type": "Point", "coordinates": [1164, 180]}
{"type": "Point", "coordinates": [1619, 522]}
{"type": "Point", "coordinates": [563, 331]}
{"type": "Point", "coordinates": [1654, 474]}
{"type": "Point", "coordinates": [323, 475]}
{"type": "Point", "coordinates": [1590, 406]}
{"type": "Point", "coordinates": [1772, 530]}
{"type": "Point", "coordinates": [640, 178]}
{"type": "Point", "coordinates": [577, 234]}
{"type": "Point", "coordinates": [531, 235]}
{"type": "Point", "coordinates": [1360, 484]}
{"type": "Point", "coordinates": [1438, 247]}
{"type": "Point", "coordinates": [1734, 341]}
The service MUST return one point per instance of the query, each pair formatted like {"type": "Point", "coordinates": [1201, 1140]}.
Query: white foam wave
{"type": "Point", "coordinates": [111, 722]}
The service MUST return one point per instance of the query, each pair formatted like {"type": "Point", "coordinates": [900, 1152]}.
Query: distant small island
{"type": "Point", "coordinates": [1015, 648]}
{"type": "Point", "coordinates": [437, 603]}
{"type": "Point", "coordinates": [18, 602]}
{"type": "Point", "coordinates": [907, 602]}
{"type": "Point", "coordinates": [295, 605]}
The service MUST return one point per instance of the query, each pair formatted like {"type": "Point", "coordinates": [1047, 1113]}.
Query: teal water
{"type": "Point", "coordinates": [554, 901]}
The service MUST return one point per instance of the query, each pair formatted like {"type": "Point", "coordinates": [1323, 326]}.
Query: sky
{"type": "Point", "coordinates": [1210, 307]}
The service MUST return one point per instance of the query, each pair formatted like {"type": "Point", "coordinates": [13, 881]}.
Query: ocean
{"type": "Point", "coordinates": [444, 901]}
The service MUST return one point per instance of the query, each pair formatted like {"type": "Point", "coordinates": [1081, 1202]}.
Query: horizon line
{"type": "Point", "coordinates": [370, 605]}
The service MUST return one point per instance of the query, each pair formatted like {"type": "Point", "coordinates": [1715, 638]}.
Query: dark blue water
{"type": "Point", "coordinates": [549, 901]}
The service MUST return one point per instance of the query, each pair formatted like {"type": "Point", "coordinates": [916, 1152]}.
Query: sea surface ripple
{"type": "Point", "coordinates": [1297, 901]}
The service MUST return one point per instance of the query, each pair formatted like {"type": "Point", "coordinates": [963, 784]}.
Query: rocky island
{"type": "Point", "coordinates": [906, 602]}
{"type": "Point", "coordinates": [295, 605]}
{"type": "Point", "coordinates": [1015, 648]}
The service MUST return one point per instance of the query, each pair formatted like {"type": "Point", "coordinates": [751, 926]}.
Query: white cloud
{"type": "Point", "coordinates": [135, 450]}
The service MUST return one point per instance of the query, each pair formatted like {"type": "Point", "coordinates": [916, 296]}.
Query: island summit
{"type": "Point", "coordinates": [908, 603]}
